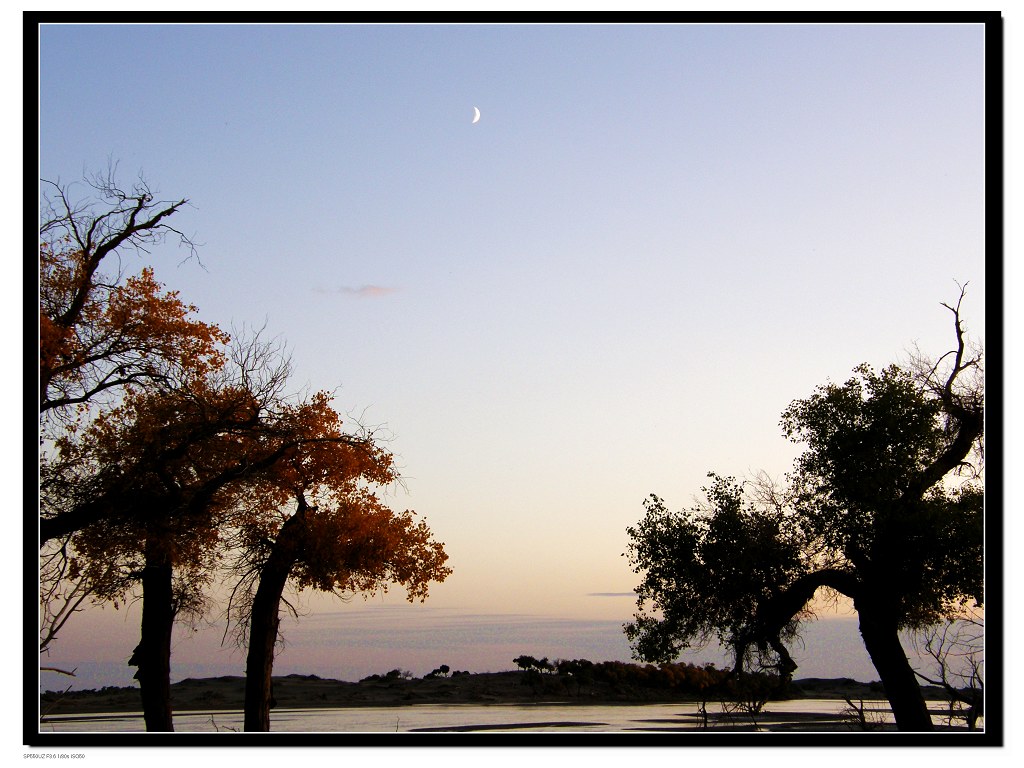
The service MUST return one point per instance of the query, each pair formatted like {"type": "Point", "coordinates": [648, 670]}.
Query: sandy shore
{"type": "Point", "coordinates": [310, 691]}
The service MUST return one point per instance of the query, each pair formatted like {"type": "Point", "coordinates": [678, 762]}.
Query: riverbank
{"type": "Point", "coordinates": [312, 692]}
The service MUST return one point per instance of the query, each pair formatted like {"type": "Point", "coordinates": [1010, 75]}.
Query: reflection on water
{"type": "Point", "coordinates": [799, 715]}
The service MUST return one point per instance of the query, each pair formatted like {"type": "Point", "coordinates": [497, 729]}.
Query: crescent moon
{"type": "Point", "coordinates": [476, 115]}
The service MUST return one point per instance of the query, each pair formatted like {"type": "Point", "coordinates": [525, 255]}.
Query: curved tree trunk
{"type": "Point", "coordinates": [153, 654]}
{"type": "Point", "coordinates": [264, 620]}
{"type": "Point", "coordinates": [882, 640]}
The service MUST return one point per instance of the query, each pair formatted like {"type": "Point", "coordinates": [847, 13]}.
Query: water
{"type": "Point", "coordinates": [796, 715]}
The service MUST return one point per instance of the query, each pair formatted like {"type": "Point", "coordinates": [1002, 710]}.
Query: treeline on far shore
{"type": "Point", "coordinates": [575, 681]}
{"type": "Point", "coordinates": [691, 680]}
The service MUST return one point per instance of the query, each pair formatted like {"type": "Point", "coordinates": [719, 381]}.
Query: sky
{"type": "Point", "coordinates": [653, 240]}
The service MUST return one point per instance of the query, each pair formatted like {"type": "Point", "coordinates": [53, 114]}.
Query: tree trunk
{"type": "Point", "coordinates": [263, 624]}
{"type": "Point", "coordinates": [153, 654]}
{"type": "Point", "coordinates": [882, 640]}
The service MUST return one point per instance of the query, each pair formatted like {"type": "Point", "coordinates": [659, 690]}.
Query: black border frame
{"type": "Point", "coordinates": [992, 736]}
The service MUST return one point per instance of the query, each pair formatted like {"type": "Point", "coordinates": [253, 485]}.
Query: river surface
{"type": "Point", "coordinates": [797, 715]}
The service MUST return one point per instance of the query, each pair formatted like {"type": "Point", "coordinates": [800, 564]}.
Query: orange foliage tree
{"type": "Point", "coordinates": [161, 448]}
{"type": "Point", "coordinates": [221, 455]}
{"type": "Point", "coordinates": [337, 537]}
{"type": "Point", "coordinates": [347, 542]}
{"type": "Point", "coordinates": [100, 334]}
{"type": "Point", "coordinates": [166, 469]}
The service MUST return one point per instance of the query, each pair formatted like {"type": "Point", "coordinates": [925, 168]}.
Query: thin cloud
{"type": "Point", "coordinates": [363, 292]}
{"type": "Point", "coordinates": [611, 594]}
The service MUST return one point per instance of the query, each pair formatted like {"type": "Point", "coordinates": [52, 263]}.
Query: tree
{"type": "Point", "coordinates": [349, 542]}
{"type": "Point", "coordinates": [338, 538]}
{"type": "Point", "coordinates": [100, 335]}
{"type": "Point", "coordinates": [167, 470]}
{"type": "Point", "coordinates": [885, 506]}
{"type": "Point", "coordinates": [527, 663]}
{"type": "Point", "coordinates": [157, 440]}
{"type": "Point", "coordinates": [170, 471]}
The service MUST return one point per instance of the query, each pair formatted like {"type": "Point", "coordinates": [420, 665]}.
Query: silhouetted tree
{"type": "Point", "coordinates": [156, 440]}
{"type": "Point", "coordinates": [347, 541]}
{"type": "Point", "coordinates": [165, 470]}
{"type": "Point", "coordinates": [102, 334]}
{"type": "Point", "coordinates": [528, 663]}
{"type": "Point", "coordinates": [884, 506]}
{"type": "Point", "coordinates": [174, 472]}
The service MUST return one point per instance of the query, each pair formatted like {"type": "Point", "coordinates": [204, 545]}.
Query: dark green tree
{"type": "Point", "coordinates": [885, 506]}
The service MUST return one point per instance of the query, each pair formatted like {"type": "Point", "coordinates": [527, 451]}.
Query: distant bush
{"type": "Point", "coordinates": [394, 674]}
{"type": "Point", "coordinates": [575, 667]}
{"type": "Point", "coordinates": [680, 677]}
{"type": "Point", "coordinates": [527, 663]}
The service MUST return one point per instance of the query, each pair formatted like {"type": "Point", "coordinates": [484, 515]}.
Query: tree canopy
{"type": "Point", "coordinates": [100, 332]}
{"type": "Point", "coordinates": [347, 543]}
{"type": "Point", "coordinates": [106, 331]}
{"type": "Point", "coordinates": [884, 506]}
{"type": "Point", "coordinates": [166, 446]}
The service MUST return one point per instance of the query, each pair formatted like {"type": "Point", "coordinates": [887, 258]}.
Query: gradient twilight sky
{"type": "Point", "coordinates": [653, 240]}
